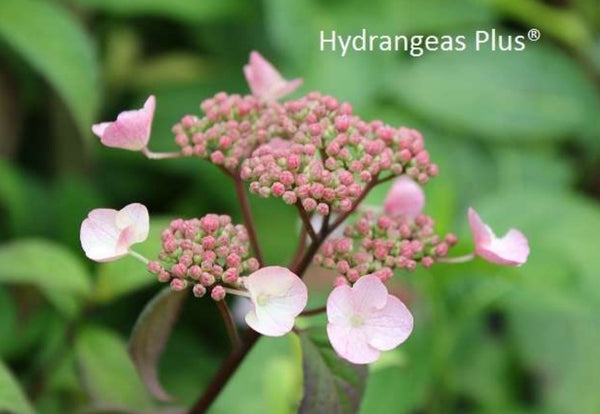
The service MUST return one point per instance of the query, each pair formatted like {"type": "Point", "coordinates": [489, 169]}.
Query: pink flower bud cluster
{"type": "Point", "coordinates": [206, 254]}
{"type": "Point", "coordinates": [233, 126]}
{"type": "Point", "coordinates": [378, 244]}
{"type": "Point", "coordinates": [332, 155]}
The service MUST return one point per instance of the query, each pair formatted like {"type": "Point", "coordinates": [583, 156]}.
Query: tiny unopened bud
{"type": "Point", "coordinates": [218, 293]}
{"type": "Point", "coordinates": [178, 284]}
{"type": "Point", "coordinates": [199, 290]}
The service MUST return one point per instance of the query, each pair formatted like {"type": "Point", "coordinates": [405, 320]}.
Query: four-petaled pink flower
{"type": "Point", "coordinates": [406, 197]}
{"type": "Point", "coordinates": [511, 249]}
{"type": "Point", "coordinates": [107, 234]}
{"type": "Point", "coordinates": [365, 320]}
{"type": "Point", "coordinates": [265, 81]}
{"type": "Point", "coordinates": [131, 130]}
{"type": "Point", "coordinates": [277, 296]}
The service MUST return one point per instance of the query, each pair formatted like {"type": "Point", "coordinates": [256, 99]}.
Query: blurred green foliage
{"type": "Point", "coordinates": [516, 135]}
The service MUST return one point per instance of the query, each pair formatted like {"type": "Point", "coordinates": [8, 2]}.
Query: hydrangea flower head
{"type": "Point", "coordinates": [378, 244]}
{"type": "Point", "coordinates": [206, 254]}
{"type": "Point", "coordinates": [333, 156]}
{"type": "Point", "coordinates": [131, 130]}
{"type": "Point", "coordinates": [512, 249]}
{"type": "Point", "coordinates": [107, 234]}
{"type": "Point", "coordinates": [364, 320]}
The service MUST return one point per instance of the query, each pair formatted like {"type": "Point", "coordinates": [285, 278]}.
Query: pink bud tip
{"type": "Point", "coordinates": [218, 293]}
{"type": "Point", "coordinates": [405, 197]}
{"type": "Point", "coordinates": [199, 290]}
{"type": "Point", "coordinates": [178, 284]}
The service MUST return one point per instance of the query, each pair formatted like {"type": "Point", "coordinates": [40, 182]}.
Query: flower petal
{"type": "Point", "coordinates": [136, 216]}
{"type": "Point", "coordinates": [406, 197]}
{"type": "Point", "coordinates": [99, 235]}
{"type": "Point", "coordinates": [131, 130]}
{"type": "Point", "coordinates": [482, 234]}
{"type": "Point", "coordinates": [511, 249]}
{"type": "Point", "coordinates": [265, 81]}
{"type": "Point", "coordinates": [351, 344]}
{"type": "Point", "coordinates": [389, 327]}
{"type": "Point", "coordinates": [368, 293]}
{"type": "Point", "coordinates": [278, 296]}
{"type": "Point", "coordinates": [267, 325]}
{"type": "Point", "coordinates": [340, 306]}
{"type": "Point", "coordinates": [107, 234]}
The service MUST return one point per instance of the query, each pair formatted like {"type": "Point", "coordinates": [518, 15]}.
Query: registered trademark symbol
{"type": "Point", "coordinates": [534, 35]}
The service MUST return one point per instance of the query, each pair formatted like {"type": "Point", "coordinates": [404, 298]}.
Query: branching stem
{"type": "Point", "coordinates": [230, 325]}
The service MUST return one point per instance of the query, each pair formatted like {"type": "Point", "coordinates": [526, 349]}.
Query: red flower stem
{"type": "Point", "coordinates": [226, 371]}
{"type": "Point", "coordinates": [236, 343]}
{"type": "Point", "coordinates": [306, 221]}
{"type": "Point", "coordinates": [359, 200]}
{"type": "Point", "coordinates": [300, 248]}
{"type": "Point", "coordinates": [243, 199]}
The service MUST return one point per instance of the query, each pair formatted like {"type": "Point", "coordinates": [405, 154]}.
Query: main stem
{"type": "Point", "coordinates": [230, 325]}
{"type": "Point", "coordinates": [234, 360]}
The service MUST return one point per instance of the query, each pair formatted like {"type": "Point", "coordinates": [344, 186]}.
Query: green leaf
{"type": "Point", "coordinates": [8, 321]}
{"type": "Point", "coordinates": [127, 274]}
{"type": "Point", "coordinates": [13, 196]}
{"type": "Point", "coordinates": [331, 385]}
{"type": "Point", "coordinates": [536, 94]}
{"type": "Point", "coordinates": [187, 10]}
{"type": "Point", "coordinates": [56, 45]}
{"type": "Point", "coordinates": [49, 266]}
{"type": "Point", "coordinates": [268, 381]}
{"type": "Point", "coordinates": [150, 335]}
{"type": "Point", "coordinates": [12, 398]}
{"type": "Point", "coordinates": [107, 371]}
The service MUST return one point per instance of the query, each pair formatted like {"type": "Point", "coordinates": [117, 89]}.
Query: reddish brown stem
{"type": "Point", "coordinates": [243, 199]}
{"type": "Point", "coordinates": [306, 222]}
{"type": "Point", "coordinates": [230, 325]}
{"type": "Point", "coordinates": [360, 198]}
{"type": "Point", "coordinates": [224, 374]}
{"type": "Point", "coordinates": [299, 249]}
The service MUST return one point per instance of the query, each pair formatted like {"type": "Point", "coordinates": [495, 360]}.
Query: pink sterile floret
{"type": "Point", "coordinates": [107, 234]}
{"type": "Point", "coordinates": [511, 249]}
{"type": "Point", "coordinates": [265, 81]}
{"type": "Point", "coordinates": [365, 320]}
{"type": "Point", "coordinates": [277, 296]}
{"type": "Point", "coordinates": [131, 130]}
